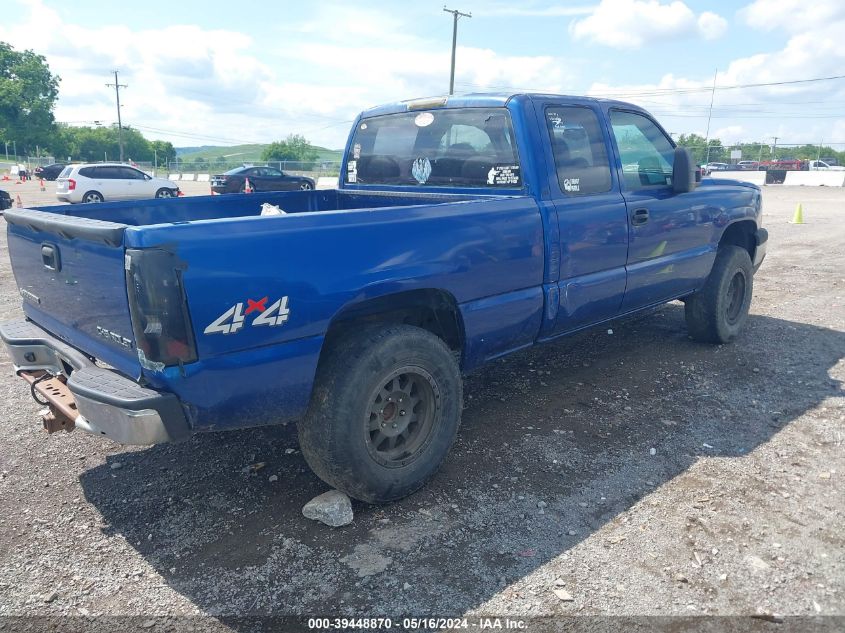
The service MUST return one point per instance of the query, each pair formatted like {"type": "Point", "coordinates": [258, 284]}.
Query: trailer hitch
{"type": "Point", "coordinates": [62, 412]}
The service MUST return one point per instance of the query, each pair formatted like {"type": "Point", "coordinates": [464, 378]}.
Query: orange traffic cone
{"type": "Point", "coordinates": [41, 183]}
{"type": "Point", "coordinates": [5, 176]}
{"type": "Point", "coordinates": [18, 202]}
{"type": "Point", "coordinates": [247, 186]}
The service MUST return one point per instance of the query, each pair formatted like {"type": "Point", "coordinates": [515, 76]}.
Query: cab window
{"type": "Point", "coordinates": [579, 150]}
{"type": "Point", "coordinates": [457, 147]}
{"type": "Point", "coordinates": [646, 152]}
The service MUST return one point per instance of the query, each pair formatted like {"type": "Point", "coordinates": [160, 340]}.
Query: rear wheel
{"type": "Point", "coordinates": [93, 196]}
{"type": "Point", "coordinates": [164, 192]}
{"type": "Point", "coordinates": [385, 410]}
{"type": "Point", "coordinates": [717, 312]}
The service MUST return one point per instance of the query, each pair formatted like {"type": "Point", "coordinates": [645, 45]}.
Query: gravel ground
{"type": "Point", "coordinates": [637, 473]}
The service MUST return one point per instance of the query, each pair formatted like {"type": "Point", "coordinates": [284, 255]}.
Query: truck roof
{"type": "Point", "coordinates": [479, 100]}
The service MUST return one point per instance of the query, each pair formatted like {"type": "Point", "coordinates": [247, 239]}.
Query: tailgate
{"type": "Point", "coordinates": [71, 275]}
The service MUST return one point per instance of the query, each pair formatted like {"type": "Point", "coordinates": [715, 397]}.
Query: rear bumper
{"type": "Point", "coordinates": [107, 402]}
{"type": "Point", "coordinates": [762, 237]}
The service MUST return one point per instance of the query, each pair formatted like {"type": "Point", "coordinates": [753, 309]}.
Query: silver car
{"type": "Point", "coordinates": [101, 182]}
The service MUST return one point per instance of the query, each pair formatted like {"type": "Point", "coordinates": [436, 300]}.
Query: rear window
{"type": "Point", "coordinates": [66, 172]}
{"type": "Point", "coordinates": [466, 147]}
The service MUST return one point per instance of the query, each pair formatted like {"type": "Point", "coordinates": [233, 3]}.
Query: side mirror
{"type": "Point", "coordinates": [683, 171]}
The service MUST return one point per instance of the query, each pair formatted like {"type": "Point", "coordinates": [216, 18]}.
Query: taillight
{"type": "Point", "coordinates": [71, 184]}
{"type": "Point", "coordinates": [158, 306]}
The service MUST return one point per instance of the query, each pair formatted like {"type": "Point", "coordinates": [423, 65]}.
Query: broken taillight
{"type": "Point", "coordinates": [158, 306]}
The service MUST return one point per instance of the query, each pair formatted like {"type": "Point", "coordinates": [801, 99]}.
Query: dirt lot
{"type": "Point", "coordinates": [639, 472]}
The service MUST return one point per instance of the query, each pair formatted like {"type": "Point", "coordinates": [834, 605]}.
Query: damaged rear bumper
{"type": "Point", "coordinates": [82, 395]}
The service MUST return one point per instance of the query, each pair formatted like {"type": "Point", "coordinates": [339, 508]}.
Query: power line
{"type": "Point", "coordinates": [117, 86]}
{"type": "Point", "coordinates": [655, 92]}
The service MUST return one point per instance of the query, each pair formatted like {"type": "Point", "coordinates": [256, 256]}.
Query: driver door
{"type": "Point", "coordinates": [669, 234]}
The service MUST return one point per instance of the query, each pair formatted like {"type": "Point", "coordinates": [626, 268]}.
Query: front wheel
{"type": "Point", "coordinates": [717, 312]}
{"type": "Point", "coordinates": [164, 192]}
{"type": "Point", "coordinates": [306, 186]}
{"type": "Point", "coordinates": [385, 410]}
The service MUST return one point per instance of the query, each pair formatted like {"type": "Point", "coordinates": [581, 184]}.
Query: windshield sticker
{"type": "Point", "coordinates": [572, 185]}
{"type": "Point", "coordinates": [554, 119]}
{"type": "Point", "coordinates": [356, 151]}
{"type": "Point", "coordinates": [424, 119]}
{"type": "Point", "coordinates": [352, 171]}
{"type": "Point", "coordinates": [503, 175]}
{"type": "Point", "coordinates": [421, 170]}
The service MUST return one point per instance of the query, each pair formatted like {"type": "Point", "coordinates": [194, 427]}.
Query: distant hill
{"type": "Point", "coordinates": [241, 153]}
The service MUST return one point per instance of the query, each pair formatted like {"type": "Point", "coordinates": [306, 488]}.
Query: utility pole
{"type": "Point", "coordinates": [455, 15]}
{"type": "Point", "coordinates": [709, 115]}
{"type": "Point", "coordinates": [774, 147]}
{"type": "Point", "coordinates": [117, 86]}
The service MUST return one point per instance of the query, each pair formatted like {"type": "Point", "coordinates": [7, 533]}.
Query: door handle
{"type": "Point", "coordinates": [640, 216]}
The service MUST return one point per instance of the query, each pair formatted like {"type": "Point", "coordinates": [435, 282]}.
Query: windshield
{"type": "Point", "coordinates": [468, 147]}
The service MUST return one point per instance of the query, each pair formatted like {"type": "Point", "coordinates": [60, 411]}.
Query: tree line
{"type": "Point", "coordinates": [28, 95]}
{"type": "Point", "coordinates": [720, 153]}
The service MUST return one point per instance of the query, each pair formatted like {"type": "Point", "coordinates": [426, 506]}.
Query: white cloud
{"type": "Point", "coordinates": [794, 16]}
{"type": "Point", "coordinates": [711, 25]}
{"type": "Point", "coordinates": [633, 23]}
{"type": "Point", "coordinates": [197, 86]}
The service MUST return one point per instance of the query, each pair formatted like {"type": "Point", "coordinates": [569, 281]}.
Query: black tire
{"type": "Point", "coordinates": [717, 312]}
{"type": "Point", "coordinates": [306, 186]}
{"type": "Point", "coordinates": [357, 407]}
{"type": "Point", "coordinates": [92, 196]}
{"type": "Point", "coordinates": [164, 192]}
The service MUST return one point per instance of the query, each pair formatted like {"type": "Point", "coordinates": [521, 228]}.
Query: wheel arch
{"type": "Point", "coordinates": [431, 309]}
{"type": "Point", "coordinates": [741, 233]}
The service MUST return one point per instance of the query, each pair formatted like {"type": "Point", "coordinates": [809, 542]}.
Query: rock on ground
{"type": "Point", "coordinates": [332, 508]}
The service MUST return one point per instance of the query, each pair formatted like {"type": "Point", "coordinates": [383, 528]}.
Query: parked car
{"type": "Point", "coordinates": [462, 230]}
{"type": "Point", "coordinates": [104, 182]}
{"type": "Point", "coordinates": [747, 165]}
{"type": "Point", "coordinates": [260, 179]}
{"type": "Point", "coordinates": [711, 167]}
{"type": "Point", "coordinates": [50, 172]}
{"type": "Point", "coordinates": [820, 165]}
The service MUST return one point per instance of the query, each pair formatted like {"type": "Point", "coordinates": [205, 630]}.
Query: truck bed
{"type": "Point", "coordinates": [230, 206]}
{"type": "Point", "coordinates": [333, 249]}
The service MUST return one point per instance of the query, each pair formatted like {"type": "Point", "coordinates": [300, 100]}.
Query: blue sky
{"type": "Point", "coordinates": [224, 73]}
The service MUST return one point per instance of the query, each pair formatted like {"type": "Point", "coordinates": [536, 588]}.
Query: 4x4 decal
{"type": "Point", "coordinates": [232, 320]}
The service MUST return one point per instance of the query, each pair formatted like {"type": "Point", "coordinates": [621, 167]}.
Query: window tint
{"type": "Point", "coordinates": [579, 150]}
{"type": "Point", "coordinates": [66, 172]}
{"type": "Point", "coordinates": [131, 174]}
{"type": "Point", "coordinates": [270, 171]}
{"type": "Point", "coordinates": [109, 173]}
{"type": "Point", "coordinates": [647, 154]}
{"type": "Point", "coordinates": [460, 147]}
{"type": "Point", "coordinates": [88, 172]}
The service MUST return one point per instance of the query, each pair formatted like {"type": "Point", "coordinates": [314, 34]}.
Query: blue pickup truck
{"type": "Point", "coordinates": [463, 229]}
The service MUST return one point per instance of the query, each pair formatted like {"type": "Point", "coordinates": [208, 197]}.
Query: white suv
{"type": "Point", "coordinates": [110, 181]}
